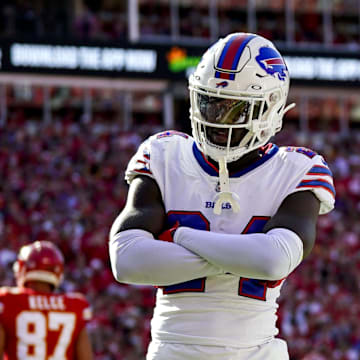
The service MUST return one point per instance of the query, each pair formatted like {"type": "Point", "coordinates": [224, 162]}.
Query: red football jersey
{"type": "Point", "coordinates": [41, 326]}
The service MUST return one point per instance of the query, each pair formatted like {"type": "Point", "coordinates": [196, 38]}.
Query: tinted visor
{"type": "Point", "coordinates": [226, 111]}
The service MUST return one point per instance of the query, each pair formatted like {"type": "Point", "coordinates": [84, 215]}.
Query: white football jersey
{"type": "Point", "coordinates": [224, 310]}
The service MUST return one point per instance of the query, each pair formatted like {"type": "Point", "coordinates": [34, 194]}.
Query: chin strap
{"type": "Point", "coordinates": [225, 194]}
{"type": "Point", "coordinates": [289, 107]}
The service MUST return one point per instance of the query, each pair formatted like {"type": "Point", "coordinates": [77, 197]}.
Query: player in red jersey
{"type": "Point", "coordinates": [36, 323]}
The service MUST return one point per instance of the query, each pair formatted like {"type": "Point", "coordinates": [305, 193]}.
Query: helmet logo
{"type": "Point", "coordinates": [222, 84]}
{"type": "Point", "coordinates": [272, 62]}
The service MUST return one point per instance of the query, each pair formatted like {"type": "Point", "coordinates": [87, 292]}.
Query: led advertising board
{"type": "Point", "coordinates": [160, 62]}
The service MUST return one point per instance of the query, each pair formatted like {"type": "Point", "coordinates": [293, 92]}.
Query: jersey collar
{"type": "Point", "coordinates": [268, 152]}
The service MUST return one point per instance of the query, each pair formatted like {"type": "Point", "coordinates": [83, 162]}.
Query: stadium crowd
{"type": "Point", "coordinates": [107, 20]}
{"type": "Point", "coordinates": [63, 181]}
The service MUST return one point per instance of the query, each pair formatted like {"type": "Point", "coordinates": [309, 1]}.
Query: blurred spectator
{"type": "Point", "coordinates": [86, 24]}
{"type": "Point", "coordinates": [107, 20]}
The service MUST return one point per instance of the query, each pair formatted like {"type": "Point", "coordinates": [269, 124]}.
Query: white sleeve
{"type": "Point", "coordinates": [270, 256]}
{"type": "Point", "coordinates": [137, 258]}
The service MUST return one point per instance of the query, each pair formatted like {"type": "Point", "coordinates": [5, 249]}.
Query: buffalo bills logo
{"type": "Point", "coordinates": [222, 84]}
{"type": "Point", "coordinates": [271, 61]}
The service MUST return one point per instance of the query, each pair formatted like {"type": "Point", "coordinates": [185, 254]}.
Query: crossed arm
{"type": "Point", "coordinates": [137, 257]}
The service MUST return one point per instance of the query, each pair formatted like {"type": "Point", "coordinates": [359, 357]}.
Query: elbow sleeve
{"type": "Point", "coordinates": [287, 253]}
{"type": "Point", "coordinates": [124, 260]}
{"type": "Point", "coordinates": [270, 256]}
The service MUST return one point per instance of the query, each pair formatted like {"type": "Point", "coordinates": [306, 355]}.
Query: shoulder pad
{"type": "Point", "coordinates": [300, 152]}
{"type": "Point", "coordinates": [318, 178]}
{"type": "Point", "coordinates": [170, 133]}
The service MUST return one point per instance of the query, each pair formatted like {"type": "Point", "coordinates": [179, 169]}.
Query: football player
{"type": "Point", "coordinates": [235, 213]}
{"type": "Point", "coordinates": [37, 323]}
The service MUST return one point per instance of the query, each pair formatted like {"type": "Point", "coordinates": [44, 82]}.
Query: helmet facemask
{"type": "Point", "coordinates": [229, 126]}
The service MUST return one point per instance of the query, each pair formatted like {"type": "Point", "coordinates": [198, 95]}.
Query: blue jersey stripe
{"type": "Point", "coordinates": [203, 163]}
{"type": "Point", "coordinates": [269, 154]}
{"type": "Point", "coordinates": [317, 183]}
{"type": "Point", "coordinates": [319, 170]}
{"type": "Point", "coordinates": [143, 171]}
{"type": "Point", "coordinates": [213, 171]}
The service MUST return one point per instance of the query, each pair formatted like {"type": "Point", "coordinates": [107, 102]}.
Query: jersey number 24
{"type": "Point", "coordinates": [251, 288]}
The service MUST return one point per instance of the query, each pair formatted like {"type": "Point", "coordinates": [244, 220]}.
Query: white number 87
{"type": "Point", "coordinates": [31, 331]}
